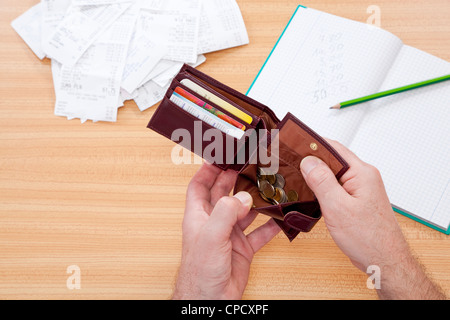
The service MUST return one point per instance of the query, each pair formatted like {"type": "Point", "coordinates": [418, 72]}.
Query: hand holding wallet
{"type": "Point", "coordinates": [193, 97]}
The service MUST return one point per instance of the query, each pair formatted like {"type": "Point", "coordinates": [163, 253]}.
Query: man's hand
{"type": "Point", "coordinates": [216, 254]}
{"type": "Point", "coordinates": [361, 221]}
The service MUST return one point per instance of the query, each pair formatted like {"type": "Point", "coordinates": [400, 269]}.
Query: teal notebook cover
{"type": "Point", "coordinates": [398, 210]}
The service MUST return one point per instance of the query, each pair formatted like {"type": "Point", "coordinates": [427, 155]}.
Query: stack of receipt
{"type": "Point", "coordinates": [104, 52]}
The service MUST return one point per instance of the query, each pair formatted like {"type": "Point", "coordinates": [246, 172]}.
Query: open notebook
{"type": "Point", "coordinates": [321, 60]}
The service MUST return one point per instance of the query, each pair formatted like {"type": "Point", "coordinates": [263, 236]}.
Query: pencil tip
{"type": "Point", "coordinates": [338, 106]}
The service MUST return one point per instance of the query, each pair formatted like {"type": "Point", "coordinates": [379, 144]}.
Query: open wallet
{"type": "Point", "coordinates": [270, 168]}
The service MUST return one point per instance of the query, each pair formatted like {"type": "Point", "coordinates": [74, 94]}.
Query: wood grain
{"type": "Point", "coordinates": [106, 196]}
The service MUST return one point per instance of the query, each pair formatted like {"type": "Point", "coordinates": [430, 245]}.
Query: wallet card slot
{"type": "Point", "coordinates": [194, 134]}
{"type": "Point", "coordinates": [176, 83]}
{"type": "Point", "coordinates": [243, 101]}
{"type": "Point", "coordinates": [255, 118]}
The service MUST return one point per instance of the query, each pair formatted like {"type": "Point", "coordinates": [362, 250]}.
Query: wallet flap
{"type": "Point", "coordinates": [292, 142]}
{"type": "Point", "coordinates": [303, 141]}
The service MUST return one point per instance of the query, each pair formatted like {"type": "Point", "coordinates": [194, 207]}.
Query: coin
{"type": "Point", "coordinates": [284, 197]}
{"type": "Point", "coordinates": [271, 178]}
{"type": "Point", "coordinates": [280, 182]}
{"type": "Point", "coordinates": [267, 189]}
{"type": "Point", "coordinates": [271, 187]}
{"type": "Point", "coordinates": [277, 195]}
{"type": "Point", "coordinates": [292, 196]}
{"type": "Point", "coordinates": [265, 198]}
{"type": "Point", "coordinates": [261, 184]}
{"type": "Point", "coordinates": [280, 195]}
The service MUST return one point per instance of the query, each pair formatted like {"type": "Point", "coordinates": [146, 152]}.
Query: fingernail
{"type": "Point", "coordinates": [245, 198]}
{"type": "Point", "coordinates": [308, 164]}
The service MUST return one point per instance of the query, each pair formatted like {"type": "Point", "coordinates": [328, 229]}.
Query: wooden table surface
{"type": "Point", "coordinates": [107, 198]}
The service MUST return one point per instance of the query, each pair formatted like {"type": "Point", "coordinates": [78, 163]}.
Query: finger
{"type": "Point", "coordinates": [356, 177]}
{"type": "Point", "coordinates": [247, 220]}
{"type": "Point", "coordinates": [259, 237]}
{"type": "Point", "coordinates": [352, 159]}
{"type": "Point", "coordinates": [223, 185]}
{"type": "Point", "coordinates": [321, 180]}
{"type": "Point", "coordinates": [225, 215]}
{"type": "Point", "coordinates": [199, 188]}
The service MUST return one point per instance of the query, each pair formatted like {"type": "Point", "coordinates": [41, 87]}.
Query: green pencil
{"type": "Point", "coordinates": [349, 103]}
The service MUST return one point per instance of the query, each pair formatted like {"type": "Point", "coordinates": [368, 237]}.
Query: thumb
{"type": "Point", "coordinates": [226, 213]}
{"type": "Point", "coordinates": [321, 180]}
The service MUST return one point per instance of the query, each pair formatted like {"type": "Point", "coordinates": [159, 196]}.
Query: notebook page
{"type": "Point", "coordinates": [407, 137]}
{"type": "Point", "coordinates": [320, 61]}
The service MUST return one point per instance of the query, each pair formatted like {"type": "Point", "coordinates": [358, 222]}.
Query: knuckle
{"type": "Point", "coordinates": [229, 202]}
{"type": "Point", "coordinates": [318, 176]}
{"type": "Point", "coordinates": [337, 143]}
{"type": "Point", "coordinates": [193, 183]}
{"type": "Point", "coordinates": [374, 172]}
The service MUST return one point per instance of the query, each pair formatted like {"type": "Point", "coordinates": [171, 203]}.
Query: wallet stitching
{"type": "Point", "coordinates": [288, 231]}
{"type": "Point", "coordinates": [283, 159]}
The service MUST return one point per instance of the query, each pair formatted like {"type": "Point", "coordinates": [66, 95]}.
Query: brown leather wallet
{"type": "Point", "coordinates": [294, 142]}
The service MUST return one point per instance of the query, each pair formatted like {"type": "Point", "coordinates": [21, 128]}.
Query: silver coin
{"type": "Point", "coordinates": [266, 188]}
{"type": "Point", "coordinates": [261, 184]}
{"type": "Point", "coordinates": [284, 198]}
{"type": "Point", "coordinates": [279, 182]}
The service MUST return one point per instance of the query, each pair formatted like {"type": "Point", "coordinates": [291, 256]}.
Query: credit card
{"type": "Point", "coordinates": [215, 99]}
{"type": "Point", "coordinates": [206, 116]}
{"type": "Point", "coordinates": [209, 108]}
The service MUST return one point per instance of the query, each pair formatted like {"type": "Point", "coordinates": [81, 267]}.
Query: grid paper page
{"type": "Point", "coordinates": [407, 137]}
{"type": "Point", "coordinates": [321, 60]}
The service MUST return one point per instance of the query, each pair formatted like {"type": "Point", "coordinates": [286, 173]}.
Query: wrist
{"type": "Point", "coordinates": [403, 277]}
{"type": "Point", "coordinates": [183, 291]}
{"type": "Point", "coordinates": [388, 244]}
{"type": "Point", "coordinates": [185, 286]}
